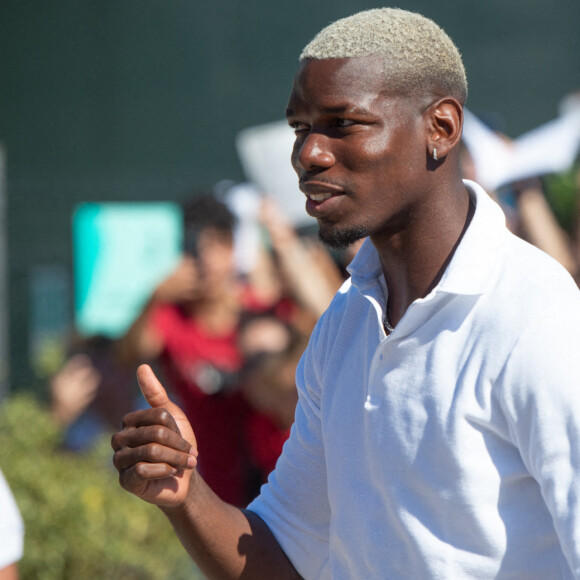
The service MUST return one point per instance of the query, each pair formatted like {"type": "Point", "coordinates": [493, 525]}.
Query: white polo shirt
{"type": "Point", "coordinates": [450, 448]}
{"type": "Point", "coordinates": [11, 527]}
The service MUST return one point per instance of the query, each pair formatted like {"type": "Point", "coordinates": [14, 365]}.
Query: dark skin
{"type": "Point", "coordinates": [373, 152]}
{"type": "Point", "coordinates": [156, 455]}
{"type": "Point", "coordinates": [364, 158]}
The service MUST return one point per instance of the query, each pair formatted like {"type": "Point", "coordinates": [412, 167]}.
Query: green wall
{"type": "Point", "coordinates": [141, 100]}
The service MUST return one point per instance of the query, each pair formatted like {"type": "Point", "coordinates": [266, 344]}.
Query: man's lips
{"type": "Point", "coordinates": [319, 197]}
{"type": "Point", "coordinates": [320, 191]}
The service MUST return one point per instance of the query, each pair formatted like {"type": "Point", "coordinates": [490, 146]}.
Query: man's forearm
{"type": "Point", "coordinates": [140, 343]}
{"type": "Point", "coordinates": [227, 542]}
{"type": "Point", "coordinates": [10, 572]}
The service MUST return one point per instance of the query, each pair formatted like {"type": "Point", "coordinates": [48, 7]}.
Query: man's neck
{"type": "Point", "coordinates": [414, 261]}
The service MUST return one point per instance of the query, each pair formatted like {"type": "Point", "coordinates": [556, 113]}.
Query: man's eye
{"type": "Point", "coordinates": [299, 127]}
{"type": "Point", "coordinates": [342, 123]}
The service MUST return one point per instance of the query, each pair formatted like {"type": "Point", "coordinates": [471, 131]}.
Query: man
{"type": "Point", "coordinates": [438, 426]}
{"type": "Point", "coordinates": [190, 326]}
{"type": "Point", "coordinates": [11, 533]}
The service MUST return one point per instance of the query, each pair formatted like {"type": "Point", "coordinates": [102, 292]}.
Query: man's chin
{"type": "Point", "coordinates": [341, 239]}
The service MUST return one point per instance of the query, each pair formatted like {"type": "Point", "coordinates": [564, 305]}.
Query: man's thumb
{"type": "Point", "coordinates": [156, 396]}
{"type": "Point", "coordinates": [153, 391]}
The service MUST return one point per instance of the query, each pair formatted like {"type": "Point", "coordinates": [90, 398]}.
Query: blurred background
{"type": "Point", "coordinates": [137, 100]}
{"type": "Point", "coordinates": [143, 102]}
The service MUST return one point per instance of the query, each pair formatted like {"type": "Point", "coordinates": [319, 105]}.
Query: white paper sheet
{"type": "Point", "coordinates": [264, 152]}
{"type": "Point", "coordinates": [550, 148]}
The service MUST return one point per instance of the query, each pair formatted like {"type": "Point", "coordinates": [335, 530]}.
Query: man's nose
{"type": "Point", "coordinates": [313, 152]}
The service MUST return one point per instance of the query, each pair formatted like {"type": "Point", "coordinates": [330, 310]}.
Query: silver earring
{"type": "Point", "coordinates": [434, 153]}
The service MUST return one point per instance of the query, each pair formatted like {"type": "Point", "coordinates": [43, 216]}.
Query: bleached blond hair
{"type": "Point", "coordinates": [418, 55]}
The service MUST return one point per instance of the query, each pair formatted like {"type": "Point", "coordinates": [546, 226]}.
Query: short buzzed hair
{"type": "Point", "coordinates": [419, 56]}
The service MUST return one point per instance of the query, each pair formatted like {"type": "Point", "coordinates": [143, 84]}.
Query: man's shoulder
{"type": "Point", "coordinates": [347, 305]}
{"type": "Point", "coordinates": [532, 288]}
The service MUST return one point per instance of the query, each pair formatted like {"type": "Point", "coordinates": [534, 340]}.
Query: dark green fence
{"type": "Point", "coordinates": [141, 100]}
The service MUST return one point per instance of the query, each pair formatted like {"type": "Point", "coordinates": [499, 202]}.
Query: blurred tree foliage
{"type": "Point", "coordinates": [562, 194]}
{"type": "Point", "coordinates": [79, 522]}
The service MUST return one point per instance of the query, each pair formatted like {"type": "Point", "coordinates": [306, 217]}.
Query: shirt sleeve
{"type": "Point", "coordinates": [294, 502]}
{"type": "Point", "coordinates": [11, 527]}
{"type": "Point", "coordinates": [541, 395]}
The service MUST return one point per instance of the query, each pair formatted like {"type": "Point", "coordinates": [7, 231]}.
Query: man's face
{"type": "Point", "coordinates": [360, 153]}
{"type": "Point", "coordinates": [215, 258]}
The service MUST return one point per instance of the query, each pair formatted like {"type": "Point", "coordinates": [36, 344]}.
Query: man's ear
{"type": "Point", "coordinates": [445, 123]}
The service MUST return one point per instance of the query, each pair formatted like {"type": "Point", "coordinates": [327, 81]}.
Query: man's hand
{"type": "Point", "coordinates": [182, 284]}
{"type": "Point", "coordinates": [73, 388]}
{"type": "Point", "coordinates": [155, 451]}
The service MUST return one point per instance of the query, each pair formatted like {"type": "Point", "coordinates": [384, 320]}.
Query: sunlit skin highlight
{"type": "Point", "coordinates": [356, 148]}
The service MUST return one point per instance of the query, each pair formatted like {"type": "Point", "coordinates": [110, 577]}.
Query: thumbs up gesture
{"type": "Point", "coordinates": [156, 450]}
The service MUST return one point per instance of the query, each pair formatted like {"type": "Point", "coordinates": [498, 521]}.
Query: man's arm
{"type": "Point", "coordinates": [541, 398]}
{"type": "Point", "coordinates": [9, 572]}
{"type": "Point", "coordinates": [156, 455]}
{"type": "Point", "coordinates": [540, 226]}
{"type": "Point", "coordinates": [305, 265]}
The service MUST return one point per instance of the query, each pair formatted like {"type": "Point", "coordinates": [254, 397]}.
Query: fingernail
{"type": "Point", "coordinates": [191, 461]}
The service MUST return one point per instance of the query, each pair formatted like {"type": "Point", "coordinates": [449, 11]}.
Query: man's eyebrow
{"type": "Point", "coordinates": [338, 110]}
{"type": "Point", "coordinates": [341, 109]}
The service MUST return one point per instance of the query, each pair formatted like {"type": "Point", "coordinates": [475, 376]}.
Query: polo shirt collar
{"type": "Point", "coordinates": [472, 267]}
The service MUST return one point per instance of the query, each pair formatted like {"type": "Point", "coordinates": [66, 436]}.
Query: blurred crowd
{"type": "Point", "coordinates": [225, 330]}
{"type": "Point", "coordinates": [535, 178]}
{"type": "Point", "coordinates": [225, 335]}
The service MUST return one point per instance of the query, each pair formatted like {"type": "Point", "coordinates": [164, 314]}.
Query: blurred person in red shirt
{"type": "Point", "coordinates": [190, 326]}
